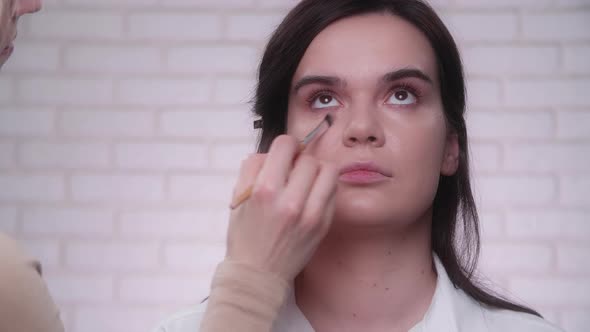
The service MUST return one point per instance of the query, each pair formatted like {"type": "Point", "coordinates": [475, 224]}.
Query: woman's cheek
{"type": "Point", "coordinates": [293, 118]}
{"type": "Point", "coordinates": [422, 152]}
{"type": "Point", "coordinates": [301, 121]}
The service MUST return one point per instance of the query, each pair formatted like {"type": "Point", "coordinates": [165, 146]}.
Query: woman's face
{"type": "Point", "coordinates": [10, 12]}
{"type": "Point", "coordinates": [377, 75]}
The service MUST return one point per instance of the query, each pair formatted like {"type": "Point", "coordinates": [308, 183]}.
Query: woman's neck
{"type": "Point", "coordinates": [369, 279]}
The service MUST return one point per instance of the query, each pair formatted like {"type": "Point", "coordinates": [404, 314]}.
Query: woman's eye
{"type": "Point", "coordinates": [323, 101]}
{"type": "Point", "coordinates": [402, 97]}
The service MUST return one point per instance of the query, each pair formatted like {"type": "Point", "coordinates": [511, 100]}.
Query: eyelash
{"type": "Point", "coordinates": [400, 86]}
{"type": "Point", "coordinates": [317, 93]}
{"type": "Point", "coordinates": [408, 87]}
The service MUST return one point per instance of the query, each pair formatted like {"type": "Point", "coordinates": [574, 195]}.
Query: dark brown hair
{"type": "Point", "coordinates": [453, 207]}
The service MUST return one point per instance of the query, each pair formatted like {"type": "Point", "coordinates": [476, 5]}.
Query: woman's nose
{"type": "Point", "coordinates": [363, 128]}
{"type": "Point", "coordinates": [27, 7]}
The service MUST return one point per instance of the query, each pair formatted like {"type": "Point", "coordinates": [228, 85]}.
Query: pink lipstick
{"type": "Point", "coordinates": [363, 173]}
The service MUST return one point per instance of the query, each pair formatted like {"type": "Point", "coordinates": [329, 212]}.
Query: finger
{"type": "Point", "coordinates": [320, 202]}
{"type": "Point", "coordinates": [249, 171]}
{"type": "Point", "coordinates": [278, 163]}
{"type": "Point", "coordinates": [299, 185]}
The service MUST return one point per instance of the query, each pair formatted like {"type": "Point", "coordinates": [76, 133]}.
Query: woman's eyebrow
{"type": "Point", "coordinates": [318, 79]}
{"type": "Point", "coordinates": [336, 81]}
{"type": "Point", "coordinates": [404, 73]}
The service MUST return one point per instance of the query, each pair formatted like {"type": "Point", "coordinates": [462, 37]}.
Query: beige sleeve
{"type": "Point", "coordinates": [25, 303]}
{"type": "Point", "coordinates": [243, 299]}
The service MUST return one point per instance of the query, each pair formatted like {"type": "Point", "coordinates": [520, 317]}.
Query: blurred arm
{"type": "Point", "coordinates": [25, 303]}
{"type": "Point", "coordinates": [243, 299]}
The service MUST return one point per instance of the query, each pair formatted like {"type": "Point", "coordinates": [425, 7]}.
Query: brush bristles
{"type": "Point", "coordinates": [329, 119]}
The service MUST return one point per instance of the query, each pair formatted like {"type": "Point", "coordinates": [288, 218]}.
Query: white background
{"type": "Point", "coordinates": [123, 122]}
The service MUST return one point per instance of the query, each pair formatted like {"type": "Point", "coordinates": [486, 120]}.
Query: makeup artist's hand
{"type": "Point", "coordinates": [290, 211]}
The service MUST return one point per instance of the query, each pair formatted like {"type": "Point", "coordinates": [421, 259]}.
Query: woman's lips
{"type": "Point", "coordinates": [362, 177]}
{"type": "Point", "coordinates": [363, 173]}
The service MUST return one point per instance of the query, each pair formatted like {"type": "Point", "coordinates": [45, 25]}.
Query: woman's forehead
{"type": "Point", "coordinates": [365, 47]}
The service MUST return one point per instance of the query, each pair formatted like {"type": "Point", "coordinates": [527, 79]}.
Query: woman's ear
{"type": "Point", "coordinates": [450, 162]}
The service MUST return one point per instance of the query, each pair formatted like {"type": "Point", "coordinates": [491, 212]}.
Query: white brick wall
{"type": "Point", "coordinates": [6, 90]}
{"type": "Point", "coordinates": [520, 190]}
{"type": "Point", "coordinates": [201, 189]}
{"type": "Point", "coordinates": [174, 26]}
{"type": "Point", "coordinates": [509, 124]}
{"type": "Point", "coordinates": [57, 24]}
{"type": "Point", "coordinates": [547, 92]}
{"type": "Point", "coordinates": [205, 124]}
{"type": "Point", "coordinates": [65, 91]}
{"type": "Point", "coordinates": [31, 187]}
{"type": "Point", "coordinates": [544, 224]}
{"type": "Point", "coordinates": [160, 156]}
{"type": "Point", "coordinates": [212, 59]}
{"type": "Point", "coordinates": [47, 251]}
{"type": "Point", "coordinates": [26, 122]}
{"type": "Point", "coordinates": [6, 155]}
{"type": "Point", "coordinates": [83, 288]}
{"type": "Point", "coordinates": [576, 59]}
{"type": "Point", "coordinates": [36, 57]}
{"type": "Point", "coordinates": [8, 219]}
{"type": "Point", "coordinates": [571, 124]}
{"type": "Point", "coordinates": [71, 222]}
{"type": "Point", "coordinates": [163, 92]}
{"type": "Point", "coordinates": [106, 123]}
{"type": "Point", "coordinates": [184, 290]}
{"type": "Point", "coordinates": [112, 59]}
{"type": "Point", "coordinates": [491, 26]}
{"type": "Point", "coordinates": [117, 188]}
{"type": "Point", "coordinates": [181, 224]}
{"type": "Point", "coordinates": [573, 26]}
{"type": "Point", "coordinates": [552, 291]}
{"type": "Point", "coordinates": [111, 256]}
{"type": "Point", "coordinates": [45, 155]}
{"type": "Point", "coordinates": [259, 26]}
{"type": "Point", "coordinates": [510, 60]}
{"type": "Point", "coordinates": [123, 122]}
{"type": "Point", "coordinates": [575, 190]}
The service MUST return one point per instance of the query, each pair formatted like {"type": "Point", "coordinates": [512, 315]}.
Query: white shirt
{"type": "Point", "coordinates": [451, 310]}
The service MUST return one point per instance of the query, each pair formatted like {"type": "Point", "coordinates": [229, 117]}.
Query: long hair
{"type": "Point", "coordinates": [454, 208]}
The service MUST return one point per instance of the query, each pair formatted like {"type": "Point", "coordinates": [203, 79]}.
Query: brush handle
{"type": "Point", "coordinates": [248, 192]}
{"type": "Point", "coordinates": [242, 198]}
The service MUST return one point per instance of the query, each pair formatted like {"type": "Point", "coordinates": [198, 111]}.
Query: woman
{"type": "Point", "coordinates": [361, 232]}
{"type": "Point", "coordinates": [25, 303]}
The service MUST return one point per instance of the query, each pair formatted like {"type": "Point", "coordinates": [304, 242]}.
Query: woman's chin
{"type": "Point", "coordinates": [374, 211]}
{"type": "Point", "coordinates": [362, 213]}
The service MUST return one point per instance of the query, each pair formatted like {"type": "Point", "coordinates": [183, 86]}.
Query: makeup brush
{"type": "Point", "coordinates": [315, 133]}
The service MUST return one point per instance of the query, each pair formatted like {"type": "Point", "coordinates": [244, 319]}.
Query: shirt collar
{"type": "Point", "coordinates": [440, 316]}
